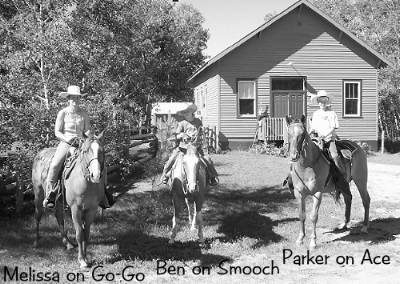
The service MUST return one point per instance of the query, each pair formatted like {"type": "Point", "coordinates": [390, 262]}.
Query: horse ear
{"type": "Point", "coordinates": [100, 136]}
{"type": "Point", "coordinates": [288, 120]}
{"type": "Point", "coordinates": [84, 135]}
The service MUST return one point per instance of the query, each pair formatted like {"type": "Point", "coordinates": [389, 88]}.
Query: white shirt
{"type": "Point", "coordinates": [323, 121]}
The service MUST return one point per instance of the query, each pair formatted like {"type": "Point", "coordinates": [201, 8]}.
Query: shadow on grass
{"type": "Point", "coordinates": [380, 231]}
{"type": "Point", "coordinates": [136, 244]}
{"type": "Point", "coordinates": [246, 212]}
{"type": "Point", "coordinates": [236, 211]}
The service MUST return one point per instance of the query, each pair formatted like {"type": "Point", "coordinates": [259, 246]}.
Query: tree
{"type": "Point", "coordinates": [126, 54]}
{"type": "Point", "coordinates": [377, 23]}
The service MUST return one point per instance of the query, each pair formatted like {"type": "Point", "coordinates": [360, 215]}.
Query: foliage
{"type": "Point", "coordinates": [166, 144]}
{"type": "Point", "coordinates": [124, 54]}
{"type": "Point", "coordinates": [377, 23]}
{"type": "Point", "coordinates": [269, 149]}
{"type": "Point", "coordinates": [365, 147]}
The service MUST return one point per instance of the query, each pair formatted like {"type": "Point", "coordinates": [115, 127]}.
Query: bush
{"type": "Point", "coordinates": [269, 149]}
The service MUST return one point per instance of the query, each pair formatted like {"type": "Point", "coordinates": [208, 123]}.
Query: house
{"type": "Point", "coordinates": [278, 66]}
{"type": "Point", "coordinates": [161, 111]}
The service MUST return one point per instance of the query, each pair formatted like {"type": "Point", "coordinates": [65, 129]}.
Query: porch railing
{"type": "Point", "coordinates": [275, 129]}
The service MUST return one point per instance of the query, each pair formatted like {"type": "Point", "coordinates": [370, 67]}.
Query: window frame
{"type": "Point", "coordinates": [359, 100]}
{"type": "Point", "coordinates": [238, 114]}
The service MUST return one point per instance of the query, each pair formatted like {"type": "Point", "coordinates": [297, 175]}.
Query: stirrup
{"type": "Point", "coordinates": [214, 183]}
{"type": "Point", "coordinates": [48, 205]}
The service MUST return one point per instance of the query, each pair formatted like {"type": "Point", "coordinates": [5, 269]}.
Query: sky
{"type": "Point", "coordinates": [228, 21]}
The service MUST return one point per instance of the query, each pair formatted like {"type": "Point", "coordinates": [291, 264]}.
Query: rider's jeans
{"type": "Point", "coordinates": [56, 164]}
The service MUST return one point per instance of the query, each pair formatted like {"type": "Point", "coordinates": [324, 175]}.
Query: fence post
{"type": "Point", "coordinates": [383, 142]}
{"type": "Point", "coordinates": [214, 131]}
{"type": "Point", "coordinates": [217, 139]}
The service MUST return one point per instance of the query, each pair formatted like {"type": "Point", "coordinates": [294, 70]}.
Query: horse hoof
{"type": "Point", "coordinates": [84, 266]}
{"type": "Point", "coordinates": [364, 230]}
{"type": "Point", "coordinates": [342, 226]}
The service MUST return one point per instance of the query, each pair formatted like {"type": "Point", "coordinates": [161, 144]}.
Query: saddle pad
{"type": "Point", "coordinates": [69, 165]}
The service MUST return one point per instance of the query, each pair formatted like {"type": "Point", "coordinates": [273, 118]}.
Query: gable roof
{"type": "Point", "coordinates": [382, 60]}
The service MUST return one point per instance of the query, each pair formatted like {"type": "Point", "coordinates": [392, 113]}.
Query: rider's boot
{"type": "Point", "coordinates": [164, 178]}
{"type": "Point", "coordinates": [50, 200]}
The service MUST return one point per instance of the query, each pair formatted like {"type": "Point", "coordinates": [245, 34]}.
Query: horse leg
{"type": "Point", "coordinates": [199, 221]}
{"type": "Point", "coordinates": [361, 183]}
{"type": "Point", "coordinates": [76, 218]}
{"type": "Point", "coordinates": [38, 216]}
{"type": "Point", "coordinates": [61, 220]}
{"type": "Point", "coordinates": [317, 197]}
{"type": "Point", "coordinates": [347, 201]}
{"type": "Point", "coordinates": [302, 216]}
{"type": "Point", "coordinates": [88, 218]}
{"type": "Point", "coordinates": [175, 219]}
{"type": "Point", "coordinates": [192, 215]}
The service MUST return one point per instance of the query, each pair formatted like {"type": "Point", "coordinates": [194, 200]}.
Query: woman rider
{"type": "Point", "coordinates": [71, 123]}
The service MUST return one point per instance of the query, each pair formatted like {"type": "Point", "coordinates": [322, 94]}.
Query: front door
{"type": "Point", "coordinates": [288, 97]}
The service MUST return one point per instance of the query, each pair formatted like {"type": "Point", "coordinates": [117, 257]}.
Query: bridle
{"type": "Point", "coordinates": [184, 170]}
{"type": "Point", "coordinates": [302, 142]}
{"type": "Point", "coordinates": [85, 162]}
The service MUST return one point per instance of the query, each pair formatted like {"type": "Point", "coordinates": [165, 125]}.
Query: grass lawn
{"type": "Point", "coordinates": [250, 221]}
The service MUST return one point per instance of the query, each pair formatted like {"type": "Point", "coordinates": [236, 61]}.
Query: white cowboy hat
{"type": "Point", "coordinates": [321, 94]}
{"type": "Point", "coordinates": [72, 91]}
{"type": "Point", "coordinates": [192, 108]}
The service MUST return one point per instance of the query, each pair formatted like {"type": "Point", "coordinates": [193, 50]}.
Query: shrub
{"type": "Point", "coordinates": [269, 149]}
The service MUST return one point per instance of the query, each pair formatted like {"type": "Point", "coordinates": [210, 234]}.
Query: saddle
{"type": "Point", "coordinates": [346, 148]}
{"type": "Point", "coordinates": [66, 170]}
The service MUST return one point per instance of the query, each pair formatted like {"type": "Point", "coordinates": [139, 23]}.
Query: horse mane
{"type": "Point", "coordinates": [191, 149]}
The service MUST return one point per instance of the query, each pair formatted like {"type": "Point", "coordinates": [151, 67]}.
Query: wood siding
{"type": "Point", "coordinates": [312, 44]}
{"type": "Point", "coordinates": [209, 80]}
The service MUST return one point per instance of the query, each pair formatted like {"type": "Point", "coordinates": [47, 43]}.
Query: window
{"type": "Point", "coordinates": [279, 84]}
{"type": "Point", "coordinates": [247, 98]}
{"type": "Point", "coordinates": [352, 98]}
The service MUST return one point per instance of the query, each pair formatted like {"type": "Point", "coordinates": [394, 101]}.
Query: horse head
{"type": "Point", "coordinates": [191, 165]}
{"type": "Point", "coordinates": [296, 135]}
{"type": "Point", "coordinates": [93, 157]}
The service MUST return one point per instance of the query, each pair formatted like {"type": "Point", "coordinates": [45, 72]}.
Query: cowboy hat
{"type": "Point", "coordinates": [72, 91]}
{"type": "Point", "coordinates": [320, 94]}
{"type": "Point", "coordinates": [192, 108]}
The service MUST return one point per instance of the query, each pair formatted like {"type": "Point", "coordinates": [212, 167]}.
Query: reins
{"type": "Point", "coordinates": [319, 157]}
{"type": "Point", "coordinates": [85, 164]}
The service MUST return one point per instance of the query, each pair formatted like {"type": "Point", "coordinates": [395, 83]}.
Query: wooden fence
{"type": "Point", "coordinates": [141, 147]}
{"type": "Point", "coordinates": [274, 129]}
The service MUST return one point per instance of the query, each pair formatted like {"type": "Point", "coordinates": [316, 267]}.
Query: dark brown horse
{"type": "Point", "coordinates": [310, 173]}
{"type": "Point", "coordinates": [84, 189]}
{"type": "Point", "coordinates": [188, 182]}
